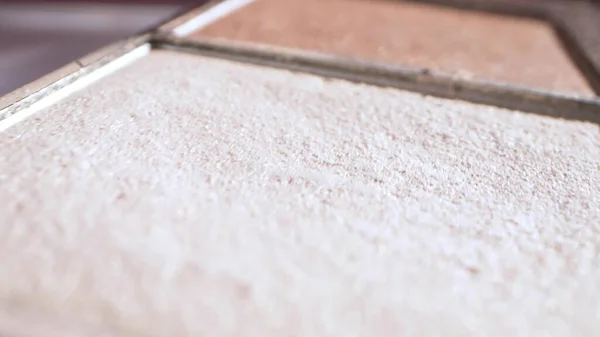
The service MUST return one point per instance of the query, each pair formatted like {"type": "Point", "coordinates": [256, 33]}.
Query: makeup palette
{"type": "Point", "coordinates": [311, 168]}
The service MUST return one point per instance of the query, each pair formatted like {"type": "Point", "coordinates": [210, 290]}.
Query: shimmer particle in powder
{"type": "Point", "coordinates": [189, 196]}
{"type": "Point", "coordinates": [464, 44]}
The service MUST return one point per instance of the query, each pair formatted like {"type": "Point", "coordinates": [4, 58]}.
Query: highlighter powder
{"type": "Point", "coordinates": [465, 44]}
{"type": "Point", "coordinates": [212, 198]}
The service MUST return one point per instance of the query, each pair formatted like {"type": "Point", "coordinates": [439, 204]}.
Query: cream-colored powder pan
{"type": "Point", "coordinates": [182, 186]}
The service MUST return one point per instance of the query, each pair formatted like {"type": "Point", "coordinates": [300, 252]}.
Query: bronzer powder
{"type": "Point", "coordinates": [190, 196]}
{"type": "Point", "coordinates": [464, 44]}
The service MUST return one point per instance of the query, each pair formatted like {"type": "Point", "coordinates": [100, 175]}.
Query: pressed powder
{"type": "Point", "coordinates": [465, 44]}
{"type": "Point", "coordinates": [207, 197]}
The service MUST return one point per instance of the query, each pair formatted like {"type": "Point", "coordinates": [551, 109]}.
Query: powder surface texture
{"type": "Point", "coordinates": [464, 44]}
{"type": "Point", "coordinates": [189, 196]}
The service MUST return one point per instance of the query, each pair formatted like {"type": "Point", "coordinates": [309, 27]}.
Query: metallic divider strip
{"type": "Point", "coordinates": [517, 8]}
{"type": "Point", "coordinates": [113, 50]}
{"type": "Point", "coordinates": [38, 84]}
{"type": "Point", "coordinates": [422, 81]}
{"type": "Point", "coordinates": [578, 25]}
{"type": "Point", "coordinates": [117, 58]}
{"type": "Point", "coordinates": [201, 16]}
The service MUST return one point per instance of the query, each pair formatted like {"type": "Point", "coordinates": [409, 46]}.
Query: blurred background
{"type": "Point", "coordinates": [37, 37]}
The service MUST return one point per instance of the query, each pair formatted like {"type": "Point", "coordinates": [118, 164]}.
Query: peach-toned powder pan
{"type": "Point", "coordinates": [510, 42]}
{"type": "Point", "coordinates": [447, 41]}
{"type": "Point", "coordinates": [203, 180]}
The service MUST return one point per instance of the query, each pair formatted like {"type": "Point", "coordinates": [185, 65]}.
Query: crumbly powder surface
{"type": "Point", "coordinates": [189, 196]}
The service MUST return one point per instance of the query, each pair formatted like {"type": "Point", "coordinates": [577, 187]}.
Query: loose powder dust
{"type": "Point", "coordinates": [464, 44]}
{"type": "Point", "coordinates": [189, 196]}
